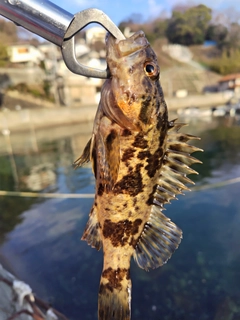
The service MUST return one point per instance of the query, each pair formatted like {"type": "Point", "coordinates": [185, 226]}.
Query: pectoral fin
{"type": "Point", "coordinates": [108, 154]}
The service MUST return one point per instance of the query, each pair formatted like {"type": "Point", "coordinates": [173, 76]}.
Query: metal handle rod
{"type": "Point", "coordinates": [41, 17]}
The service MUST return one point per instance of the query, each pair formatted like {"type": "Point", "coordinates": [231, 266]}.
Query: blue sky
{"type": "Point", "coordinates": [119, 10]}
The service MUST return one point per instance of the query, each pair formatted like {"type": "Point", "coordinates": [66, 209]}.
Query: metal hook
{"type": "Point", "coordinates": [81, 20]}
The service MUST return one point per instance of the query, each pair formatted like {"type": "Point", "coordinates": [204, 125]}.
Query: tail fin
{"type": "Point", "coordinates": [114, 298]}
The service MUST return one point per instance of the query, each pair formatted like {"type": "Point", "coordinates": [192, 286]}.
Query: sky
{"type": "Point", "coordinates": [119, 10]}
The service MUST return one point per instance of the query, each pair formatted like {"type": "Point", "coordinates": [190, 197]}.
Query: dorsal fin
{"type": "Point", "coordinates": [176, 163]}
{"type": "Point", "coordinates": [160, 236]}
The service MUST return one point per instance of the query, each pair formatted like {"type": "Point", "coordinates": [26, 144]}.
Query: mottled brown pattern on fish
{"type": "Point", "coordinates": [115, 277]}
{"type": "Point", "coordinates": [144, 112]}
{"type": "Point", "coordinates": [128, 154]}
{"type": "Point", "coordinates": [132, 156]}
{"type": "Point", "coordinates": [140, 141]}
{"type": "Point", "coordinates": [100, 189]}
{"type": "Point", "coordinates": [126, 133]}
{"type": "Point", "coordinates": [131, 183]}
{"type": "Point", "coordinates": [119, 232]}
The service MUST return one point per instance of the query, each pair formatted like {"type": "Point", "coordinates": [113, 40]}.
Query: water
{"type": "Point", "coordinates": [40, 238]}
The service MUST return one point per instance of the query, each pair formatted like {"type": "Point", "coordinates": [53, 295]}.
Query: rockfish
{"type": "Point", "coordinates": [140, 161]}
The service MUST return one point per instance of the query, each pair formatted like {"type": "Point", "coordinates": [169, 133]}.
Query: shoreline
{"type": "Point", "coordinates": [25, 119]}
{"type": "Point", "coordinates": [20, 113]}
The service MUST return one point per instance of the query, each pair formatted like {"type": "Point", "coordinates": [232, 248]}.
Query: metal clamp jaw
{"type": "Point", "coordinates": [82, 19]}
{"type": "Point", "coordinates": [58, 26]}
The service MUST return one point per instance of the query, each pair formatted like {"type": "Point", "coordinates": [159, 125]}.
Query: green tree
{"type": "Point", "coordinates": [232, 38]}
{"type": "Point", "coordinates": [190, 26]}
{"type": "Point", "coordinates": [153, 29]}
{"type": "Point", "coordinates": [228, 62]}
{"type": "Point", "coordinates": [159, 28]}
{"type": "Point", "coordinates": [217, 33]}
{"type": "Point", "coordinates": [227, 38]}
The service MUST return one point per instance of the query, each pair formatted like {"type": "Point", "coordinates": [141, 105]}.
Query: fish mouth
{"type": "Point", "coordinates": [125, 47]}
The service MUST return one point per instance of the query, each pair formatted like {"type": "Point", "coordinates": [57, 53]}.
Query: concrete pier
{"type": "Point", "coordinates": [39, 114]}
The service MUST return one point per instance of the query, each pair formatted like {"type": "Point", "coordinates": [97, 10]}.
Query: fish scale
{"type": "Point", "coordinates": [141, 162]}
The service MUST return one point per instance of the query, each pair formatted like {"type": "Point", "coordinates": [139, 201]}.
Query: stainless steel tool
{"type": "Point", "coordinates": [58, 26]}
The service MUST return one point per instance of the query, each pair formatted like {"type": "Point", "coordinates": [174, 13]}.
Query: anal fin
{"type": "Point", "coordinates": [159, 239]}
{"type": "Point", "coordinates": [91, 233]}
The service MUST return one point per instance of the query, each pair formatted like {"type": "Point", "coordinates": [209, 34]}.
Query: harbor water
{"type": "Point", "coordinates": [41, 228]}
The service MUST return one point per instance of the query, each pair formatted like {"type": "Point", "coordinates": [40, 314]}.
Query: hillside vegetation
{"type": "Point", "coordinates": [188, 25]}
{"type": "Point", "coordinates": [192, 26]}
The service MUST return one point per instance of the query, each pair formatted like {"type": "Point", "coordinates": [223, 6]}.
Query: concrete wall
{"type": "Point", "coordinates": [29, 75]}
{"type": "Point", "coordinates": [202, 101]}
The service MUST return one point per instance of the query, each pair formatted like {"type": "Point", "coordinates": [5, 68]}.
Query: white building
{"type": "Point", "coordinates": [25, 54]}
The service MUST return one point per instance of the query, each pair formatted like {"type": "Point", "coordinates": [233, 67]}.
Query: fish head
{"type": "Point", "coordinates": [134, 77]}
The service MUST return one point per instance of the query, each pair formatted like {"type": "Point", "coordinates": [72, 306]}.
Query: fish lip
{"type": "Point", "coordinates": [128, 46]}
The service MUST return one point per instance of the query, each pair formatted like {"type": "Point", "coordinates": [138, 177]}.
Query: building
{"type": "Point", "coordinates": [230, 82]}
{"type": "Point", "coordinates": [25, 54]}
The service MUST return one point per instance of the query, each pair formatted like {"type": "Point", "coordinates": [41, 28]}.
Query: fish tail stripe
{"type": "Point", "coordinates": [114, 299]}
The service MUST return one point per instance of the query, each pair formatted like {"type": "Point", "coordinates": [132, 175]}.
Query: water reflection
{"type": "Point", "coordinates": [56, 148]}
{"type": "Point", "coordinates": [48, 169]}
{"type": "Point", "coordinates": [41, 238]}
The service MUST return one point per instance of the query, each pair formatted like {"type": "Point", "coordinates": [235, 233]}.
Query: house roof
{"type": "Point", "coordinates": [230, 77]}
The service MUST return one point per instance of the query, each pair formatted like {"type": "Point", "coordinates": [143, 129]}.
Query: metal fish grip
{"type": "Point", "coordinates": [58, 26]}
{"type": "Point", "coordinates": [81, 20]}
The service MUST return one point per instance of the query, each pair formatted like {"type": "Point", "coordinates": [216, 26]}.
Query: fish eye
{"type": "Point", "coordinates": [151, 70]}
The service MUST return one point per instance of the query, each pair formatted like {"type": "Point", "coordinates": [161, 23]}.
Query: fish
{"type": "Point", "coordinates": [140, 160]}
